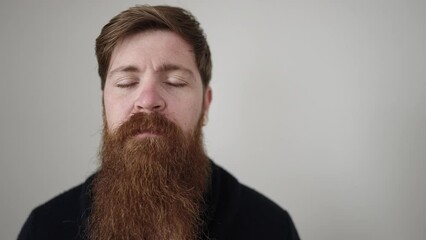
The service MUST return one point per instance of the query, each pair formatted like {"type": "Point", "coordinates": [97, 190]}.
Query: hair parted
{"type": "Point", "coordinates": [144, 18]}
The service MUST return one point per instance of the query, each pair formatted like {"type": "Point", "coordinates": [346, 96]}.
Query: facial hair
{"type": "Point", "coordinates": [151, 187]}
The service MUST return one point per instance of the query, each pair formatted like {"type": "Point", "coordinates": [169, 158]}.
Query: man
{"type": "Point", "coordinates": [155, 180]}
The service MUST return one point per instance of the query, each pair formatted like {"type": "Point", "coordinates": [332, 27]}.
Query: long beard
{"type": "Point", "coordinates": [150, 188]}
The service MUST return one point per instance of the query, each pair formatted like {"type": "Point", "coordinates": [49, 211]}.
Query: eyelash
{"type": "Point", "coordinates": [171, 84]}
{"type": "Point", "coordinates": [127, 85]}
{"type": "Point", "coordinates": [178, 85]}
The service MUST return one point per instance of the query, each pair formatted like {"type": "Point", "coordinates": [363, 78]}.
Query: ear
{"type": "Point", "coordinates": [207, 101]}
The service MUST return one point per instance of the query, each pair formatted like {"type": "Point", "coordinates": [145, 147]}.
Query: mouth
{"type": "Point", "coordinates": [146, 134]}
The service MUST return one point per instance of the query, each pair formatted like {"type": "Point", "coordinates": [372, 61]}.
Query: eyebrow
{"type": "Point", "coordinates": [127, 69]}
{"type": "Point", "coordinates": [171, 67]}
{"type": "Point", "coordinates": [162, 68]}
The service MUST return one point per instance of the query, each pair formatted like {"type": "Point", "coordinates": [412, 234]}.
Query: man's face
{"type": "Point", "coordinates": [154, 71]}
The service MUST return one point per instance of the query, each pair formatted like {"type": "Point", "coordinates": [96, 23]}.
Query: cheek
{"type": "Point", "coordinates": [188, 114]}
{"type": "Point", "coordinates": [115, 112]}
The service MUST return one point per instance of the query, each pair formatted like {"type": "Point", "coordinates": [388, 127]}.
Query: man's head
{"type": "Point", "coordinates": [154, 71]}
{"type": "Point", "coordinates": [155, 68]}
{"type": "Point", "coordinates": [154, 59]}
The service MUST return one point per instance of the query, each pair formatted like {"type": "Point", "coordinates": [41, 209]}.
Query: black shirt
{"type": "Point", "coordinates": [234, 211]}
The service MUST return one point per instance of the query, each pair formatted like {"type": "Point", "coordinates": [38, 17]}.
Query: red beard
{"type": "Point", "coordinates": [149, 188]}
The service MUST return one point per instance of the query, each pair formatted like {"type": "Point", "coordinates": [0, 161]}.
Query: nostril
{"type": "Point", "coordinates": [157, 107]}
{"type": "Point", "coordinates": [150, 102]}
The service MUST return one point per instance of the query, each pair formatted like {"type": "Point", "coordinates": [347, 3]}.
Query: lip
{"type": "Point", "coordinates": [146, 134]}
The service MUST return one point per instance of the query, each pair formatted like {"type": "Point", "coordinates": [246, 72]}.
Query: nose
{"type": "Point", "coordinates": [149, 99]}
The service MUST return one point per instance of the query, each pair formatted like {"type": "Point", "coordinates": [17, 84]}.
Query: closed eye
{"type": "Point", "coordinates": [176, 84]}
{"type": "Point", "coordinates": [176, 81]}
{"type": "Point", "coordinates": [126, 83]}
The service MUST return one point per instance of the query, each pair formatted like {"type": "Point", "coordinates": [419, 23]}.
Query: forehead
{"type": "Point", "coordinates": [151, 49]}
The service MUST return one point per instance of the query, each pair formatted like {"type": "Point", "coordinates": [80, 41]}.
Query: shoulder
{"type": "Point", "coordinates": [266, 219]}
{"type": "Point", "coordinates": [60, 217]}
{"type": "Point", "coordinates": [249, 214]}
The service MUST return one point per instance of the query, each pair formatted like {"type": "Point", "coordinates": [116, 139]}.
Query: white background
{"type": "Point", "coordinates": [320, 105]}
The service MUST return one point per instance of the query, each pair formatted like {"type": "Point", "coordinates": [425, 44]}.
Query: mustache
{"type": "Point", "coordinates": [146, 122]}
